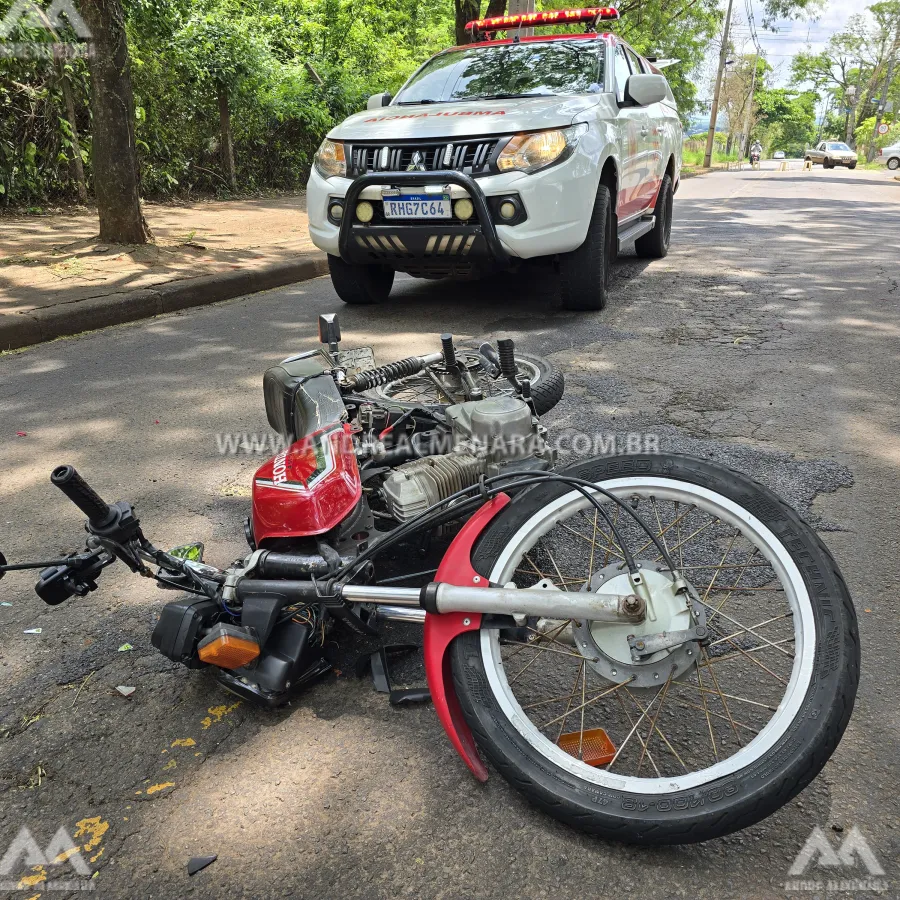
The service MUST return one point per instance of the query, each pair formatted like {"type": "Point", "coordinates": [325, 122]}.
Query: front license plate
{"type": "Point", "coordinates": [417, 206]}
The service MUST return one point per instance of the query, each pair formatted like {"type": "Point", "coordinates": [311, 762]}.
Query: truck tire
{"type": "Point", "coordinates": [655, 243]}
{"type": "Point", "coordinates": [584, 273]}
{"type": "Point", "coordinates": [360, 285]}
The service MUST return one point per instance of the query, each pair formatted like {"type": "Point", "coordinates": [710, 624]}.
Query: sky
{"type": "Point", "coordinates": [791, 36]}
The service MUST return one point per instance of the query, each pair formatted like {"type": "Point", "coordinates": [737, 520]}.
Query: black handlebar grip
{"type": "Point", "coordinates": [448, 350]}
{"type": "Point", "coordinates": [506, 352]}
{"type": "Point", "coordinates": [82, 495]}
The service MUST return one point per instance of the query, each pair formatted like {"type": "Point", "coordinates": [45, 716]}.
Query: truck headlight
{"type": "Point", "coordinates": [329, 159]}
{"type": "Point", "coordinates": [531, 152]}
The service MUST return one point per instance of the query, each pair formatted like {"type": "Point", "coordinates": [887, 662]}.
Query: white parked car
{"type": "Point", "coordinates": [831, 154]}
{"type": "Point", "coordinates": [563, 146]}
{"type": "Point", "coordinates": [778, 154]}
{"type": "Point", "coordinates": [890, 156]}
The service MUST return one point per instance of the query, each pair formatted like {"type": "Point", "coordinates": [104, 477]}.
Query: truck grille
{"type": "Point", "coordinates": [471, 157]}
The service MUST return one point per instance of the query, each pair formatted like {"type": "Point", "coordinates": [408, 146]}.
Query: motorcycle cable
{"type": "Point", "coordinates": [490, 487]}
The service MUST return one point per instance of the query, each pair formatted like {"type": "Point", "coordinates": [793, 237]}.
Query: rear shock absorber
{"type": "Point", "coordinates": [365, 381]}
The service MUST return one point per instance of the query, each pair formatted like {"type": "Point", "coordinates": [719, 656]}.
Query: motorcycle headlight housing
{"type": "Point", "coordinates": [532, 152]}
{"type": "Point", "coordinates": [329, 160]}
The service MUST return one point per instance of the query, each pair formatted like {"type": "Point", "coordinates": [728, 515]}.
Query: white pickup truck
{"type": "Point", "coordinates": [563, 146]}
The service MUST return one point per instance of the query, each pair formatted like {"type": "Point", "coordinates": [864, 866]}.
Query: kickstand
{"type": "Point", "coordinates": [378, 662]}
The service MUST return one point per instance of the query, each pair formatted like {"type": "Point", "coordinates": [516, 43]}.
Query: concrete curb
{"type": "Point", "coordinates": [24, 329]}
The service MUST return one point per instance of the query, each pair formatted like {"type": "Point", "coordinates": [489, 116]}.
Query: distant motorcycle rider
{"type": "Point", "coordinates": [756, 149]}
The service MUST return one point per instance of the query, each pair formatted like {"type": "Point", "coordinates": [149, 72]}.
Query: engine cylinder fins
{"type": "Point", "coordinates": [416, 485]}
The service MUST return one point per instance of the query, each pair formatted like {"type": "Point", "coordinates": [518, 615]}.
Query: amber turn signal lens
{"type": "Point", "coordinates": [592, 746]}
{"type": "Point", "coordinates": [228, 650]}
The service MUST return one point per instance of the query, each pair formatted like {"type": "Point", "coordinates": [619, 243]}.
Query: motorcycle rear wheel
{"type": "Point", "coordinates": [547, 383]}
{"type": "Point", "coordinates": [749, 723]}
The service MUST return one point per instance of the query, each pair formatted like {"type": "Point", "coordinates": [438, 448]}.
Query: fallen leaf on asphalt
{"type": "Point", "coordinates": [745, 337]}
{"type": "Point", "coordinates": [21, 434]}
{"type": "Point", "coordinates": [33, 631]}
{"type": "Point", "coordinates": [125, 690]}
{"type": "Point", "coordinates": [125, 647]}
{"type": "Point", "coordinates": [196, 863]}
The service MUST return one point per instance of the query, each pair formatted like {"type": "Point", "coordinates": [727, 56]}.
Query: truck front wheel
{"type": "Point", "coordinates": [584, 273]}
{"type": "Point", "coordinates": [655, 243]}
{"type": "Point", "coordinates": [360, 284]}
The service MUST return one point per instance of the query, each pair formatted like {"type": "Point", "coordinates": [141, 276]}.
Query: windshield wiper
{"type": "Point", "coordinates": [419, 102]}
{"type": "Point", "coordinates": [506, 96]}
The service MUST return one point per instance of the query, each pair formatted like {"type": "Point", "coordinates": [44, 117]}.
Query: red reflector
{"type": "Point", "coordinates": [542, 19]}
{"type": "Point", "coordinates": [592, 746]}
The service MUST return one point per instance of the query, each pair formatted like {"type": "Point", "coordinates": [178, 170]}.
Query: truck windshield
{"type": "Point", "coordinates": [506, 71]}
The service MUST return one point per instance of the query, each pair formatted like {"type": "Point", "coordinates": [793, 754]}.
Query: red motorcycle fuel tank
{"type": "Point", "coordinates": [308, 488]}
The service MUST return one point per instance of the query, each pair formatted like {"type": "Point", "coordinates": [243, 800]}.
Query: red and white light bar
{"type": "Point", "coordinates": [542, 19]}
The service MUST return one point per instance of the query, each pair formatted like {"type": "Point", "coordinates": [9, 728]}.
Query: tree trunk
{"type": "Point", "coordinates": [116, 178]}
{"type": "Point", "coordinates": [77, 162]}
{"type": "Point", "coordinates": [495, 8]}
{"type": "Point", "coordinates": [466, 10]}
{"type": "Point", "coordinates": [225, 130]}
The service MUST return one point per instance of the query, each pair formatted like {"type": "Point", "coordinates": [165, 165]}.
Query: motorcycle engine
{"type": "Point", "coordinates": [488, 437]}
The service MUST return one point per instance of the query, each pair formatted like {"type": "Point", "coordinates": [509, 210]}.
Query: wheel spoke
{"type": "Point", "coordinates": [672, 750]}
{"type": "Point", "coordinates": [631, 722]}
{"type": "Point", "coordinates": [593, 699]}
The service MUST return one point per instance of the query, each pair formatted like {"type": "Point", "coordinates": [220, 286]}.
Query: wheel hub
{"type": "Point", "coordinates": [606, 645]}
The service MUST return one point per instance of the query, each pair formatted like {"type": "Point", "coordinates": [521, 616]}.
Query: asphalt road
{"type": "Point", "coordinates": [767, 339]}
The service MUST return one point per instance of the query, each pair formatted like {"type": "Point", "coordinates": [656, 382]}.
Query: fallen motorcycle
{"type": "Point", "coordinates": [652, 647]}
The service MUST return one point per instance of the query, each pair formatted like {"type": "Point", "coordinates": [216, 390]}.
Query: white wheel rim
{"type": "Point", "coordinates": [770, 548]}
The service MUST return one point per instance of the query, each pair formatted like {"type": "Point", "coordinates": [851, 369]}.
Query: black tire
{"type": "Point", "coordinates": [851, 166]}
{"type": "Point", "coordinates": [713, 808]}
{"type": "Point", "coordinates": [360, 285]}
{"type": "Point", "coordinates": [827, 164]}
{"type": "Point", "coordinates": [893, 163]}
{"type": "Point", "coordinates": [584, 273]}
{"type": "Point", "coordinates": [655, 244]}
{"type": "Point", "coordinates": [547, 389]}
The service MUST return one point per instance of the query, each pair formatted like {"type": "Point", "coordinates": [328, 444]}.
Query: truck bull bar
{"type": "Point", "coordinates": [440, 238]}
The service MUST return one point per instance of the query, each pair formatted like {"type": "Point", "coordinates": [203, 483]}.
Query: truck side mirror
{"type": "Point", "coordinates": [645, 90]}
{"type": "Point", "coordinates": [376, 101]}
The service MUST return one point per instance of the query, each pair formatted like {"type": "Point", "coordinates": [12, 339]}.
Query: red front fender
{"type": "Point", "coordinates": [440, 630]}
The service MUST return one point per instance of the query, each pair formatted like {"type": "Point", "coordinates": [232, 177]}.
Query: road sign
{"type": "Point", "coordinates": [883, 128]}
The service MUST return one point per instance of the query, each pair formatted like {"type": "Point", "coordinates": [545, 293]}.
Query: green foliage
{"type": "Point", "coordinates": [787, 119]}
{"type": "Point", "coordinates": [185, 53]}
{"type": "Point", "coordinates": [35, 138]}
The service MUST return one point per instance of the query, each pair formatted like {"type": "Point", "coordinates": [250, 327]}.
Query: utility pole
{"type": "Point", "coordinates": [746, 148]}
{"type": "Point", "coordinates": [851, 113]}
{"type": "Point", "coordinates": [870, 155]}
{"type": "Point", "coordinates": [714, 112]}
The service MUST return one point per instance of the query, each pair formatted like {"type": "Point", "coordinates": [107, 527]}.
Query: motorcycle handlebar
{"type": "Point", "coordinates": [67, 479]}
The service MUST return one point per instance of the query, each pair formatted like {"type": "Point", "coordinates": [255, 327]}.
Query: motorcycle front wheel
{"type": "Point", "coordinates": [696, 739]}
